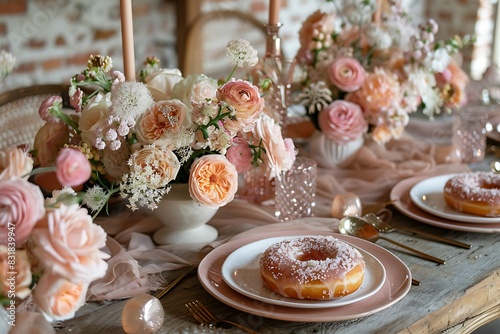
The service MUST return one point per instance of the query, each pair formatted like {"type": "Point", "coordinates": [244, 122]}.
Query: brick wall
{"type": "Point", "coordinates": [52, 39]}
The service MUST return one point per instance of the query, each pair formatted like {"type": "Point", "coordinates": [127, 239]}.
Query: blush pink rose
{"type": "Point", "coordinates": [245, 98]}
{"type": "Point", "coordinates": [21, 206]}
{"type": "Point", "coordinates": [240, 155]}
{"type": "Point", "coordinates": [68, 244]}
{"type": "Point", "coordinates": [280, 153]}
{"type": "Point", "coordinates": [59, 298]}
{"type": "Point", "coordinates": [342, 121]}
{"type": "Point", "coordinates": [347, 74]}
{"type": "Point", "coordinates": [213, 181]}
{"type": "Point", "coordinates": [15, 162]}
{"type": "Point", "coordinates": [72, 167]}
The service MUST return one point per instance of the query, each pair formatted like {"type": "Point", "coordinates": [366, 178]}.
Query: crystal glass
{"type": "Point", "coordinates": [295, 190]}
{"type": "Point", "coordinates": [469, 132]}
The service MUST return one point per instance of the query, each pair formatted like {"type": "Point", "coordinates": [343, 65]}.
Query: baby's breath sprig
{"type": "Point", "coordinates": [239, 52]}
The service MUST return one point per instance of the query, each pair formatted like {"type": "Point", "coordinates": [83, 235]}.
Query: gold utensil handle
{"type": "Point", "coordinates": [174, 282]}
{"type": "Point", "coordinates": [437, 237]}
{"type": "Point", "coordinates": [422, 254]}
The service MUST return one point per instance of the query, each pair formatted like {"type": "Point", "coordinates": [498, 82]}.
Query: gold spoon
{"type": "Point", "coordinates": [357, 227]}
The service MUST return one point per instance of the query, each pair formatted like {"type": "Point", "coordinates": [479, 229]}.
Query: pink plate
{"type": "Point", "coordinates": [400, 196]}
{"type": "Point", "coordinates": [395, 287]}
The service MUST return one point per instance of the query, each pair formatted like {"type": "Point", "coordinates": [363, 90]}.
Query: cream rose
{"type": "Point", "coordinates": [22, 269]}
{"type": "Point", "coordinates": [245, 98]}
{"type": "Point", "coordinates": [159, 162]}
{"type": "Point", "coordinates": [68, 244]}
{"type": "Point", "coordinates": [162, 124]}
{"type": "Point", "coordinates": [161, 83]}
{"type": "Point", "coordinates": [195, 88]}
{"type": "Point", "coordinates": [59, 298]}
{"type": "Point", "coordinates": [21, 206]}
{"type": "Point", "coordinates": [94, 114]}
{"type": "Point", "coordinates": [342, 121]}
{"type": "Point", "coordinates": [15, 161]}
{"type": "Point", "coordinates": [213, 180]}
{"type": "Point", "coordinates": [280, 153]}
{"type": "Point", "coordinates": [347, 74]}
{"type": "Point", "coordinates": [48, 141]}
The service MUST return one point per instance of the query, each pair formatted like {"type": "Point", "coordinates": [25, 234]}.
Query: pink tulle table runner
{"type": "Point", "coordinates": [137, 262]}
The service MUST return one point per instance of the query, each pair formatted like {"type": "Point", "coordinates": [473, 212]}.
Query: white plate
{"type": "Point", "coordinates": [428, 196]}
{"type": "Point", "coordinates": [400, 197]}
{"type": "Point", "coordinates": [242, 273]}
{"type": "Point", "coordinates": [396, 285]}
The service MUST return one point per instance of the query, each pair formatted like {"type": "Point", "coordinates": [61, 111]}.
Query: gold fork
{"type": "Point", "coordinates": [205, 317]}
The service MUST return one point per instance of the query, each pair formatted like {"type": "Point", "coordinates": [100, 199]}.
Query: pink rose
{"type": "Point", "coordinates": [213, 181]}
{"type": "Point", "coordinates": [45, 109]}
{"type": "Point", "coordinates": [346, 73]}
{"type": "Point", "coordinates": [162, 124]}
{"type": "Point", "coordinates": [245, 98]}
{"type": "Point", "coordinates": [280, 153]}
{"type": "Point", "coordinates": [240, 155]}
{"type": "Point", "coordinates": [22, 269]}
{"type": "Point", "coordinates": [67, 243]}
{"type": "Point", "coordinates": [48, 141]}
{"type": "Point", "coordinates": [73, 168]}
{"type": "Point", "coordinates": [342, 121]}
{"type": "Point", "coordinates": [21, 206]}
{"type": "Point", "coordinates": [14, 162]}
{"type": "Point", "coordinates": [59, 298]}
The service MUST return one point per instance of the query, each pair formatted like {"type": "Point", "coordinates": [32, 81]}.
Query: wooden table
{"type": "Point", "coordinates": [456, 297]}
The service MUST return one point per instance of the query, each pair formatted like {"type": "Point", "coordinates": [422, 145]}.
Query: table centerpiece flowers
{"type": "Point", "coordinates": [50, 249]}
{"type": "Point", "coordinates": [367, 68]}
{"type": "Point", "coordinates": [142, 138]}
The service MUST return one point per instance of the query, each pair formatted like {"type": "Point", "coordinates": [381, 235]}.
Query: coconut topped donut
{"type": "Point", "coordinates": [312, 267]}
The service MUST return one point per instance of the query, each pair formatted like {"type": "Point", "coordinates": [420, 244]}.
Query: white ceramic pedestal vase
{"type": "Point", "coordinates": [330, 154]}
{"type": "Point", "coordinates": [184, 220]}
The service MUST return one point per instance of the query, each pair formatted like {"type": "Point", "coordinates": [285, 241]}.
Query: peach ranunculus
{"type": "Point", "coordinates": [213, 181]}
{"type": "Point", "coordinates": [161, 83]}
{"type": "Point", "coordinates": [21, 206]}
{"type": "Point", "coordinates": [68, 244]}
{"type": "Point", "coordinates": [195, 88]}
{"type": "Point", "coordinates": [245, 98]}
{"type": "Point", "coordinates": [280, 153]}
{"type": "Point", "coordinates": [73, 168]}
{"type": "Point", "coordinates": [22, 267]}
{"type": "Point", "coordinates": [379, 93]}
{"type": "Point", "coordinates": [48, 141]}
{"type": "Point", "coordinates": [317, 23]}
{"type": "Point", "coordinates": [57, 297]}
{"type": "Point", "coordinates": [15, 162]}
{"type": "Point", "coordinates": [93, 116]}
{"type": "Point", "coordinates": [347, 74]}
{"type": "Point", "coordinates": [342, 121]}
{"type": "Point", "coordinates": [240, 155]}
{"type": "Point", "coordinates": [453, 82]}
{"type": "Point", "coordinates": [163, 124]}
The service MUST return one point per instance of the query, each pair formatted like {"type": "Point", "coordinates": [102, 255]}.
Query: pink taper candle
{"type": "Point", "coordinates": [127, 39]}
{"type": "Point", "coordinates": [274, 12]}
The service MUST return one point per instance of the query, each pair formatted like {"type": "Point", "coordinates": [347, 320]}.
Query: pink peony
{"type": "Point", "coordinates": [240, 155]}
{"type": "Point", "coordinates": [45, 108]}
{"type": "Point", "coordinates": [245, 98]}
{"type": "Point", "coordinates": [21, 206]}
{"type": "Point", "coordinates": [67, 243]}
{"type": "Point", "coordinates": [73, 168]}
{"type": "Point", "coordinates": [342, 121]}
{"type": "Point", "coordinates": [346, 73]}
{"type": "Point", "coordinates": [15, 162]}
{"type": "Point", "coordinates": [213, 181]}
{"type": "Point", "coordinates": [59, 298]}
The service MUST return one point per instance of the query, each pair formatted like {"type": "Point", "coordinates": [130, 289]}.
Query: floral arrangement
{"type": "Point", "coordinates": [142, 137]}
{"type": "Point", "coordinates": [49, 247]}
{"type": "Point", "coordinates": [368, 69]}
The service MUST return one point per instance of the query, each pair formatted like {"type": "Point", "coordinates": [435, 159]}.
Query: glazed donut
{"type": "Point", "coordinates": [477, 193]}
{"type": "Point", "coordinates": [312, 267]}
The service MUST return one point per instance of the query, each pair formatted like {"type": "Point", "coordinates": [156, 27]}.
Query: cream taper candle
{"type": "Point", "coordinates": [127, 39]}
{"type": "Point", "coordinates": [274, 12]}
